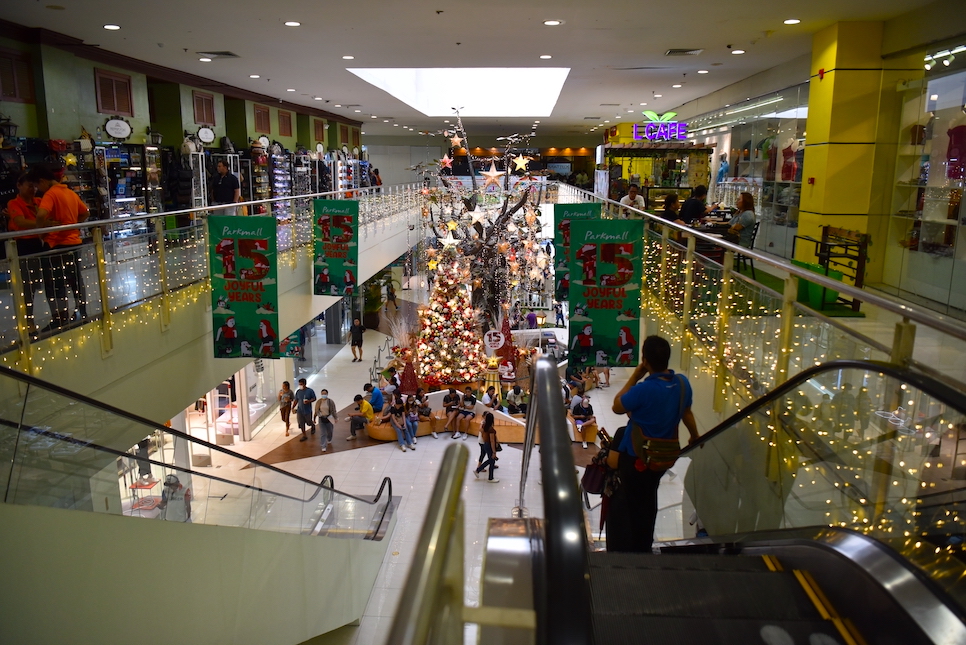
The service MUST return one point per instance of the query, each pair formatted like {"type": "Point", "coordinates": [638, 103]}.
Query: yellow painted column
{"type": "Point", "coordinates": [847, 178]}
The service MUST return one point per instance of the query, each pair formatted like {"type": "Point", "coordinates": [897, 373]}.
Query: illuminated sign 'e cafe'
{"type": "Point", "coordinates": [661, 128]}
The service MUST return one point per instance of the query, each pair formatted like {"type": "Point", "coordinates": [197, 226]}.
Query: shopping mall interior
{"type": "Point", "coordinates": [388, 206]}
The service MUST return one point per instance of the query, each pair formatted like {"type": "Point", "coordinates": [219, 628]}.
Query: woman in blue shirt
{"type": "Point", "coordinates": [657, 405]}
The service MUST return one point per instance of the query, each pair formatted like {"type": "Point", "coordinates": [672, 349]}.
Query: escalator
{"type": "Point", "coordinates": [231, 534]}
{"type": "Point", "coordinates": [830, 518]}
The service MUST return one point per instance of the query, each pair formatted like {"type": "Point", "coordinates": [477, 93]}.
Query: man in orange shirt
{"type": "Point", "coordinates": [22, 216]}
{"type": "Point", "coordinates": [59, 206]}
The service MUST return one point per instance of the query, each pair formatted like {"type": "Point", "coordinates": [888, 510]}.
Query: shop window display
{"type": "Point", "coordinates": [926, 245]}
{"type": "Point", "coordinates": [759, 148]}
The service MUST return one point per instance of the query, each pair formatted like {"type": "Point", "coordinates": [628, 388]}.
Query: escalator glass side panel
{"type": "Point", "coordinates": [848, 447]}
{"type": "Point", "coordinates": [64, 452]}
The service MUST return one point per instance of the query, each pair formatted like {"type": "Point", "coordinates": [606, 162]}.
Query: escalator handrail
{"type": "Point", "coordinates": [386, 483]}
{"type": "Point", "coordinates": [33, 381]}
{"type": "Point", "coordinates": [564, 615]}
{"type": "Point", "coordinates": [927, 384]}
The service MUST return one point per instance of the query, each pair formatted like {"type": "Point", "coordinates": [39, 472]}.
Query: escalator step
{"type": "Point", "coordinates": [689, 561]}
{"type": "Point", "coordinates": [618, 630]}
{"type": "Point", "coordinates": [699, 594]}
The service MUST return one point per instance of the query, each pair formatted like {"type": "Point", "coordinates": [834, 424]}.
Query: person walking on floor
{"type": "Point", "coordinates": [286, 397]}
{"type": "Point", "coordinates": [355, 339]}
{"type": "Point", "coordinates": [325, 413]}
{"type": "Point", "coordinates": [60, 206]}
{"type": "Point", "coordinates": [488, 444]}
{"type": "Point", "coordinates": [361, 416]}
{"type": "Point", "coordinates": [304, 398]}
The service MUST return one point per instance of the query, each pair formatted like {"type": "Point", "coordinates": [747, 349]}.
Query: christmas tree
{"type": "Point", "coordinates": [450, 349]}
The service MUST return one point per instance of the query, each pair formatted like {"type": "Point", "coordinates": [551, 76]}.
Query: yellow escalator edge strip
{"type": "Point", "coordinates": [772, 563]}
{"type": "Point", "coordinates": [813, 594]}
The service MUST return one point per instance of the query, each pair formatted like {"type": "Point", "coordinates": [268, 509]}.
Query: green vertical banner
{"type": "Point", "coordinates": [336, 246]}
{"type": "Point", "coordinates": [563, 216]}
{"type": "Point", "coordinates": [606, 267]}
{"type": "Point", "coordinates": [244, 286]}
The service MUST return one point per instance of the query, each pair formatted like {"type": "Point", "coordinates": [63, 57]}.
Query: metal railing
{"type": "Point", "coordinates": [117, 270]}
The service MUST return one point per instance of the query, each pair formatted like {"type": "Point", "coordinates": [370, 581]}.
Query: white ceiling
{"type": "Point", "coordinates": [598, 39]}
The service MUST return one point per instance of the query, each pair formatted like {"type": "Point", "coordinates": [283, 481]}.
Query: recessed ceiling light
{"type": "Point", "coordinates": [546, 56]}
{"type": "Point", "coordinates": [317, 98]}
{"type": "Point", "coordinates": [395, 125]}
{"type": "Point", "coordinates": [293, 23]}
{"type": "Point", "coordinates": [385, 120]}
{"type": "Point", "coordinates": [357, 110]}
{"type": "Point", "coordinates": [606, 121]}
{"type": "Point", "coordinates": [536, 122]}
{"type": "Point", "coordinates": [643, 103]}
{"type": "Point", "coordinates": [702, 71]}
{"type": "Point", "coordinates": [254, 76]}
{"type": "Point", "coordinates": [373, 117]}
{"type": "Point", "coordinates": [291, 89]}
{"type": "Point", "coordinates": [348, 58]}
{"type": "Point", "coordinates": [792, 21]}
{"type": "Point", "coordinates": [205, 59]}
{"type": "Point", "coordinates": [737, 51]}
{"type": "Point", "coordinates": [362, 133]}
{"type": "Point", "coordinates": [552, 23]}
{"type": "Point", "coordinates": [112, 27]}
{"type": "Point", "coordinates": [337, 105]}
{"type": "Point", "coordinates": [676, 85]}
{"type": "Point", "coordinates": [618, 116]}
{"type": "Point", "coordinates": [630, 110]}
{"type": "Point", "coordinates": [657, 96]}
{"type": "Point", "coordinates": [445, 120]}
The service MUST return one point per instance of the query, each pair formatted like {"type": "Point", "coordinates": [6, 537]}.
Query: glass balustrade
{"type": "Point", "coordinates": [855, 447]}
{"type": "Point", "coordinates": [62, 452]}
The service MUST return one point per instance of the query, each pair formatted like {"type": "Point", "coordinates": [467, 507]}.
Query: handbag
{"type": "Point", "coordinates": [657, 454]}
{"type": "Point", "coordinates": [594, 478]}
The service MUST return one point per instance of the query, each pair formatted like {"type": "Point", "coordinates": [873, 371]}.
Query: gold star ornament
{"type": "Point", "coordinates": [520, 162]}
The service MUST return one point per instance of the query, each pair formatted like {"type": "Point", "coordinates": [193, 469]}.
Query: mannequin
{"type": "Point", "coordinates": [723, 167]}
{"type": "Point", "coordinates": [956, 150]}
{"type": "Point", "coordinates": [790, 165]}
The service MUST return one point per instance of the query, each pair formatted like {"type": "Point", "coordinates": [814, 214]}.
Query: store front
{"type": "Point", "coordinates": [759, 148]}
{"type": "Point", "coordinates": [926, 245]}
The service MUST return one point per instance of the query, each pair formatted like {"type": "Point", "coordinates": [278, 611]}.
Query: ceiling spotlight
{"type": "Point", "coordinates": [702, 71]}
{"type": "Point", "coordinates": [293, 23]}
{"type": "Point", "coordinates": [949, 61]}
{"type": "Point", "coordinates": [546, 56]}
{"type": "Point", "coordinates": [348, 58]}
{"type": "Point", "coordinates": [792, 21]}
{"type": "Point", "coordinates": [552, 23]}
{"type": "Point", "coordinates": [205, 59]}
{"type": "Point", "coordinates": [737, 51]}
{"type": "Point", "coordinates": [291, 89]}
{"type": "Point", "coordinates": [254, 76]}
{"type": "Point", "coordinates": [929, 65]}
{"type": "Point", "coordinates": [112, 27]}
{"type": "Point", "coordinates": [676, 85]}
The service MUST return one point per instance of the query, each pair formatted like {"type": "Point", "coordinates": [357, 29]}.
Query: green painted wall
{"type": "Point", "coordinates": [70, 99]}
{"type": "Point", "coordinates": [24, 114]}
{"type": "Point", "coordinates": [237, 122]}
{"type": "Point", "coordinates": [167, 112]}
{"type": "Point", "coordinates": [303, 131]}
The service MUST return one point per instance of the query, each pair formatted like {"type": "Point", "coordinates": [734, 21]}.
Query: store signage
{"type": "Point", "coordinates": [661, 128]}
{"type": "Point", "coordinates": [244, 286]}
{"type": "Point", "coordinates": [605, 293]}
{"type": "Point", "coordinates": [336, 246]}
{"type": "Point", "coordinates": [563, 216]}
{"type": "Point", "coordinates": [493, 340]}
{"type": "Point", "coordinates": [117, 128]}
{"type": "Point", "coordinates": [207, 135]}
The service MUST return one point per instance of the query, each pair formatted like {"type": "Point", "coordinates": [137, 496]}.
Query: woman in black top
{"type": "Point", "coordinates": [451, 403]}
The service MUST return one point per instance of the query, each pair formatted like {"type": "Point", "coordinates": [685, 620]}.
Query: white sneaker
{"type": "Point", "coordinates": [325, 449]}
{"type": "Point", "coordinates": [402, 447]}
{"type": "Point", "coordinates": [585, 445]}
{"type": "Point", "coordinates": [435, 436]}
{"type": "Point", "coordinates": [456, 435]}
{"type": "Point", "coordinates": [412, 447]}
{"type": "Point", "coordinates": [465, 435]}
{"type": "Point", "coordinates": [350, 437]}
{"type": "Point", "coordinates": [476, 474]}
{"type": "Point", "coordinates": [415, 441]}
{"type": "Point", "coordinates": [493, 481]}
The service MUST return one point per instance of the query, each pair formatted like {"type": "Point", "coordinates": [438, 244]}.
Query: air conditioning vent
{"type": "Point", "coordinates": [683, 52]}
{"type": "Point", "coordinates": [610, 105]}
{"type": "Point", "coordinates": [218, 54]}
{"type": "Point", "coordinates": [591, 118]}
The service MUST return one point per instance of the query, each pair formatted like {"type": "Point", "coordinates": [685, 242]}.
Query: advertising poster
{"type": "Point", "coordinates": [336, 246]}
{"type": "Point", "coordinates": [563, 216]}
{"type": "Point", "coordinates": [606, 268]}
{"type": "Point", "coordinates": [244, 286]}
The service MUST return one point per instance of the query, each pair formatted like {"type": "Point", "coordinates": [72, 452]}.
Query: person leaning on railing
{"type": "Point", "coordinates": [644, 450]}
{"type": "Point", "coordinates": [59, 205]}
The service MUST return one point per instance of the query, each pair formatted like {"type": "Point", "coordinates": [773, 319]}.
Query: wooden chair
{"type": "Point", "coordinates": [744, 259]}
